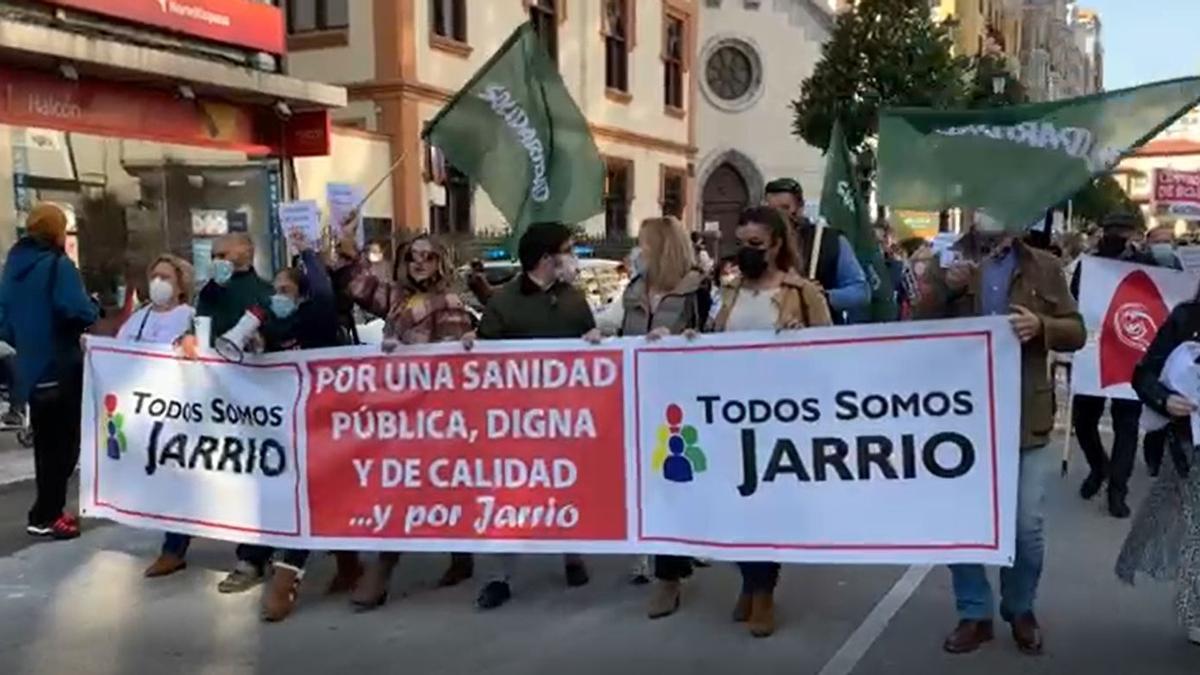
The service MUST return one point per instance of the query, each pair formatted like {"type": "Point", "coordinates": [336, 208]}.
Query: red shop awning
{"type": "Point", "coordinates": [39, 99]}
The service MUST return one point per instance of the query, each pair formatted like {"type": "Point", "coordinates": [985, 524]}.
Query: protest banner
{"type": "Point", "coordinates": [515, 130]}
{"type": "Point", "coordinates": [1123, 305]}
{"type": "Point", "coordinates": [1177, 193]}
{"type": "Point", "coordinates": [555, 446]}
{"type": "Point", "coordinates": [932, 159]}
{"type": "Point", "coordinates": [843, 207]}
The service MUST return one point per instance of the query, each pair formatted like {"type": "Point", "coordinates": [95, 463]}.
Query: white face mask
{"type": "Point", "coordinates": [161, 292]}
{"type": "Point", "coordinates": [568, 268]}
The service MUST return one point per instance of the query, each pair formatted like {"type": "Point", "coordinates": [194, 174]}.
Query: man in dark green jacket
{"type": "Point", "coordinates": [234, 288]}
{"type": "Point", "coordinates": [540, 303]}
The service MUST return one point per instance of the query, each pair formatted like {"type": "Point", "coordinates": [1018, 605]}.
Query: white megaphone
{"type": "Point", "coordinates": [232, 345]}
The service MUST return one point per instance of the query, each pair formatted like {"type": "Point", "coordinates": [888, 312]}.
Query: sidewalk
{"type": "Point", "coordinates": [16, 462]}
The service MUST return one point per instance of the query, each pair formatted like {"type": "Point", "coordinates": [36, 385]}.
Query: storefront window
{"type": "Point", "coordinates": [131, 201]}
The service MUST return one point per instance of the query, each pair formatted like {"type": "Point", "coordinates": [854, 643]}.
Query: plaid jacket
{"type": "Point", "coordinates": [410, 316]}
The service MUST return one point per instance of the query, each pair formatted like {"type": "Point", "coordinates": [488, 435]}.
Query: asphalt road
{"type": "Point", "coordinates": [82, 607]}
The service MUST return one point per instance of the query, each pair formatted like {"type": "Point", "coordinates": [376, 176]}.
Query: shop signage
{"type": "Point", "coordinates": [35, 99]}
{"type": "Point", "coordinates": [308, 134]}
{"type": "Point", "coordinates": [243, 23]}
{"type": "Point", "coordinates": [1177, 193]}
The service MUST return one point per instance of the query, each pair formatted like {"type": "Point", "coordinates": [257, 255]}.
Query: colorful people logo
{"type": "Point", "coordinates": [113, 427]}
{"type": "Point", "coordinates": [676, 452]}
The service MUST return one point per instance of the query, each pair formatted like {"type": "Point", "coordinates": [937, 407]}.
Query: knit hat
{"type": "Point", "coordinates": [47, 223]}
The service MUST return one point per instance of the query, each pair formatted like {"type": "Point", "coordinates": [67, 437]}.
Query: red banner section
{"type": "Point", "coordinates": [242, 23]}
{"type": "Point", "coordinates": [505, 445]}
{"type": "Point", "coordinates": [31, 98]}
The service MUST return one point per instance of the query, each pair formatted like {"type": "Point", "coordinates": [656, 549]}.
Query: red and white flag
{"type": "Point", "coordinates": [1123, 306]}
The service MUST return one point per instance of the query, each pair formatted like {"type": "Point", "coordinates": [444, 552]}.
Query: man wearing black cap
{"type": "Point", "coordinates": [1115, 244]}
{"type": "Point", "coordinates": [838, 270]}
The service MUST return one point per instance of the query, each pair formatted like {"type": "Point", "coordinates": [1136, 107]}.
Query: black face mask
{"type": "Point", "coordinates": [1111, 245]}
{"type": "Point", "coordinates": [752, 262]}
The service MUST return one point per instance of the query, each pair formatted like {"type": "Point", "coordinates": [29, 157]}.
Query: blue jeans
{"type": "Point", "coordinates": [1019, 583]}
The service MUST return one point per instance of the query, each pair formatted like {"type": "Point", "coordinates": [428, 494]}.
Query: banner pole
{"type": "Point", "coordinates": [815, 255]}
{"type": "Point", "coordinates": [1066, 457]}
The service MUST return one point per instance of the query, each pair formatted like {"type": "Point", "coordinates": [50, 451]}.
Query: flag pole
{"type": "Point", "coordinates": [815, 255]}
{"type": "Point", "coordinates": [353, 215]}
{"type": "Point", "coordinates": [1066, 457]}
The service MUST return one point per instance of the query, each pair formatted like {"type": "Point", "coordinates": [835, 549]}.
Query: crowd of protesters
{"type": "Point", "coordinates": [676, 287]}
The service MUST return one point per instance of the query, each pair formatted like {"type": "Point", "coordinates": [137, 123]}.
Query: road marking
{"type": "Point", "coordinates": [861, 640]}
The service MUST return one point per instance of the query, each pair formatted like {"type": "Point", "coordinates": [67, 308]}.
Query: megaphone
{"type": "Point", "coordinates": [232, 345]}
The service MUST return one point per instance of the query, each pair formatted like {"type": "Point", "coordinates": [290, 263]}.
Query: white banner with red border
{"type": "Point", "coordinates": [1123, 305]}
{"type": "Point", "coordinates": [893, 443]}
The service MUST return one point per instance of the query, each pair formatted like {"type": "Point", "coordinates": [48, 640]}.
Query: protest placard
{"type": "Point", "coordinates": [303, 216]}
{"type": "Point", "coordinates": [344, 199]}
{"type": "Point", "coordinates": [556, 446]}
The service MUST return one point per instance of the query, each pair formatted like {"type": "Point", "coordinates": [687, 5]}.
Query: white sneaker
{"type": "Point", "coordinates": [1194, 636]}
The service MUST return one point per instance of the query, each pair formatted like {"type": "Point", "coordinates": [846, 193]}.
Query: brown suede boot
{"type": "Point", "coordinates": [165, 565]}
{"type": "Point", "coordinates": [762, 615]}
{"type": "Point", "coordinates": [279, 597]}
{"type": "Point", "coordinates": [372, 590]}
{"type": "Point", "coordinates": [665, 600]}
{"type": "Point", "coordinates": [741, 611]}
{"type": "Point", "coordinates": [462, 568]}
{"type": "Point", "coordinates": [349, 571]}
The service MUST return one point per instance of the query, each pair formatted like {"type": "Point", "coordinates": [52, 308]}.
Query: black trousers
{"type": "Point", "coordinates": [672, 567]}
{"type": "Point", "coordinates": [1125, 416]}
{"type": "Point", "coordinates": [1154, 446]}
{"type": "Point", "coordinates": [54, 413]}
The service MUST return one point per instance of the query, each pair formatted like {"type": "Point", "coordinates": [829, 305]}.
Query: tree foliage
{"type": "Point", "coordinates": [881, 53]}
{"type": "Point", "coordinates": [1101, 197]}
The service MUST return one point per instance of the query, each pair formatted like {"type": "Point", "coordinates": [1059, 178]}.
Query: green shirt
{"type": "Point", "coordinates": [226, 305]}
{"type": "Point", "coordinates": [523, 310]}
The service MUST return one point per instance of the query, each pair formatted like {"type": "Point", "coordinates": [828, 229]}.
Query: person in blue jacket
{"type": "Point", "coordinates": [838, 270]}
{"type": "Point", "coordinates": [44, 311]}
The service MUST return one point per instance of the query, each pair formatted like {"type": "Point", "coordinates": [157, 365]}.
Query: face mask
{"type": "Point", "coordinates": [568, 268]}
{"type": "Point", "coordinates": [1164, 254]}
{"type": "Point", "coordinates": [222, 271]}
{"type": "Point", "coordinates": [728, 279]}
{"type": "Point", "coordinates": [161, 292]}
{"type": "Point", "coordinates": [1111, 245]}
{"type": "Point", "coordinates": [282, 305]}
{"type": "Point", "coordinates": [752, 262]}
{"type": "Point", "coordinates": [374, 257]}
{"type": "Point", "coordinates": [638, 261]}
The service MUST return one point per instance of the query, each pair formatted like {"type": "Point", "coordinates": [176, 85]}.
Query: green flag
{"type": "Point", "coordinates": [843, 208]}
{"type": "Point", "coordinates": [1016, 162]}
{"type": "Point", "coordinates": [516, 131]}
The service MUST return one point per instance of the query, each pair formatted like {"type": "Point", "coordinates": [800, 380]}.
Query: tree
{"type": "Point", "coordinates": [986, 70]}
{"type": "Point", "coordinates": [1101, 197]}
{"type": "Point", "coordinates": [881, 53]}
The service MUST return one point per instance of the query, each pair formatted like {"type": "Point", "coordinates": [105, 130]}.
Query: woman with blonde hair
{"type": "Point", "coordinates": [667, 295]}
{"type": "Point", "coordinates": [168, 316]}
{"type": "Point", "coordinates": [418, 306]}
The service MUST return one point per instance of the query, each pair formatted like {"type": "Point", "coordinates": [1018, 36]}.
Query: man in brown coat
{"type": "Point", "coordinates": [1000, 275]}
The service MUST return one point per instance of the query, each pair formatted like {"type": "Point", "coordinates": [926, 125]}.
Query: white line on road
{"type": "Point", "coordinates": [859, 642]}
